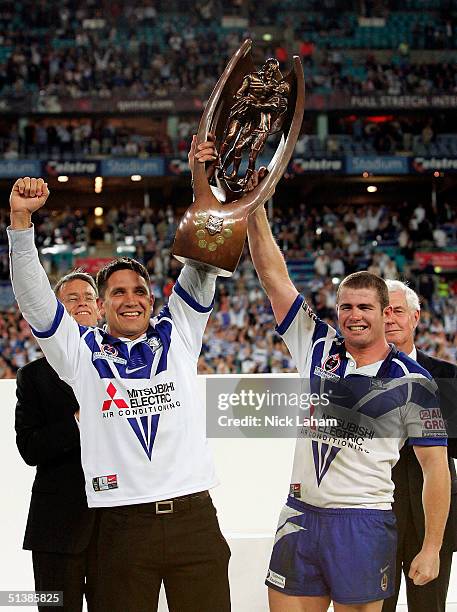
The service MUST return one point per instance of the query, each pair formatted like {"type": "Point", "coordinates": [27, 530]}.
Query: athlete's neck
{"type": "Point", "coordinates": [370, 354]}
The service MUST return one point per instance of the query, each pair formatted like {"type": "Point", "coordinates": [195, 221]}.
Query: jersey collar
{"type": "Point", "coordinates": [385, 366]}
{"type": "Point", "coordinates": [109, 339]}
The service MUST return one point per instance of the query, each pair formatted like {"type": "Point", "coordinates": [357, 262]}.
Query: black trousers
{"type": "Point", "coordinates": [430, 597]}
{"type": "Point", "coordinates": [139, 549]}
{"type": "Point", "coordinates": [74, 574]}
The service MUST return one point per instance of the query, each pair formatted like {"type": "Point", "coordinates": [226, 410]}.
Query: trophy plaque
{"type": "Point", "coordinates": [246, 107]}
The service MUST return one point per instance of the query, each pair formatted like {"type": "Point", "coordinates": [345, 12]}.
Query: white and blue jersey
{"type": "Point", "coordinates": [142, 419]}
{"type": "Point", "coordinates": [374, 408]}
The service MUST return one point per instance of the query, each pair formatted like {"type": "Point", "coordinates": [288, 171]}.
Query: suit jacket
{"type": "Point", "coordinates": [47, 436]}
{"type": "Point", "coordinates": [407, 473]}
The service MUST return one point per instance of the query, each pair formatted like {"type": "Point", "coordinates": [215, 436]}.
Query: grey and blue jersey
{"type": "Point", "coordinates": [371, 411]}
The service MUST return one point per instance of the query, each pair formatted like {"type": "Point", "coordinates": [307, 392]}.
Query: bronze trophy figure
{"type": "Point", "coordinates": [262, 95]}
{"type": "Point", "coordinates": [245, 108]}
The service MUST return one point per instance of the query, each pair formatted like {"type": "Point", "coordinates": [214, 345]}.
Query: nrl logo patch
{"type": "Point", "coordinates": [214, 225]}
{"type": "Point", "coordinates": [331, 363]}
{"type": "Point", "coordinates": [108, 352]}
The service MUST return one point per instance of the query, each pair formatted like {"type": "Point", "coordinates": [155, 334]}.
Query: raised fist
{"type": "Point", "coordinates": [28, 195]}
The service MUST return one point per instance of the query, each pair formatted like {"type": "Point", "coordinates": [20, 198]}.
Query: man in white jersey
{"type": "Point", "coordinates": [336, 534]}
{"type": "Point", "coordinates": [143, 441]}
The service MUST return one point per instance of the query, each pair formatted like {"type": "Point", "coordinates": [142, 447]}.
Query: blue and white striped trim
{"type": "Point", "coordinates": [55, 324]}
{"type": "Point", "coordinates": [427, 441]}
{"type": "Point", "coordinates": [290, 316]}
{"type": "Point", "coordinates": [190, 301]}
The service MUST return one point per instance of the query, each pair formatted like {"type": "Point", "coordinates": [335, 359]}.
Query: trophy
{"type": "Point", "coordinates": [246, 106]}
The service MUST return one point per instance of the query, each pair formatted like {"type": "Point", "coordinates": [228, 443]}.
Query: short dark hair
{"type": "Point", "coordinates": [121, 263]}
{"type": "Point", "coordinates": [77, 274]}
{"type": "Point", "coordinates": [366, 280]}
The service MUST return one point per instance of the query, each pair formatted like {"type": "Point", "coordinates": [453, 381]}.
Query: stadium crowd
{"type": "Point", "coordinates": [335, 73]}
{"type": "Point", "coordinates": [100, 138]}
{"type": "Point", "coordinates": [76, 138]}
{"type": "Point", "coordinates": [321, 246]}
{"type": "Point", "coordinates": [112, 48]}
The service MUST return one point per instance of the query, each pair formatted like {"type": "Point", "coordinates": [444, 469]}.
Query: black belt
{"type": "Point", "coordinates": [179, 504]}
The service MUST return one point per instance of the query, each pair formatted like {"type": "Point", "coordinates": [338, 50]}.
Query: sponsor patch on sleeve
{"type": "Point", "coordinates": [311, 314]}
{"type": "Point", "coordinates": [276, 579]}
{"type": "Point", "coordinates": [432, 423]}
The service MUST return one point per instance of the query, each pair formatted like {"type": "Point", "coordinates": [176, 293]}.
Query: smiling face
{"type": "Point", "coordinates": [80, 301]}
{"type": "Point", "coordinates": [126, 304]}
{"type": "Point", "coordinates": [401, 323]}
{"type": "Point", "coordinates": [360, 317]}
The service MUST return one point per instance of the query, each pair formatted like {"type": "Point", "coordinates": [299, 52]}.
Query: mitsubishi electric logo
{"type": "Point", "coordinates": [323, 455]}
{"type": "Point", "coordinates": [144, 427]}
{"type": "Point", "coordinates": [120, 403]}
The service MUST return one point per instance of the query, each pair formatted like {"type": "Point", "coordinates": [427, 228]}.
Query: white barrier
{"type": "Point", "coordinates": [254, 477]}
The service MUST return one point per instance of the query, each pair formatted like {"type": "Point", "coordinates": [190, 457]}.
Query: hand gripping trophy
{"type": "Point", "coordinates": [245, 108]}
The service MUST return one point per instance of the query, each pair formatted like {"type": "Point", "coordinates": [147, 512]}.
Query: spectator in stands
{"type": "Point", "coordinates": [440, 238]}
{"type": "Point", "coordinates": [321, 264]}
{"type": "Point", "coordinates": [428, 134]}
{"type": "Point", "coordinates": [390, 270]}
{"type": "Point", "coordinates": [338, 227]}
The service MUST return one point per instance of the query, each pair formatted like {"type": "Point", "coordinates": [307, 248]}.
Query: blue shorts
{"type": "Point", "coordinates": [345, 553]}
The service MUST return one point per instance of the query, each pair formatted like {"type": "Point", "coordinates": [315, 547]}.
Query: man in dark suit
{"type": "Point", "coordinates": [60, 528]}
{"type": "Point", "coordinates": [407, 474]}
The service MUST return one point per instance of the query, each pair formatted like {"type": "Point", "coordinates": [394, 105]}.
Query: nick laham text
{"type": "Point", "coordinates": [274, 421]}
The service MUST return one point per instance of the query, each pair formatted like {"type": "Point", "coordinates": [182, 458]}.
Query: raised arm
{"type": "Point", "coordinates": [268, 260]}
{"type": "Point", "coordinates": [270, 265]}
{"type": "Point", "coordinates": [33, 292]}
{"type": "Point", "coordinates": [57, 333]}
{"type": "Point", "coordinates": [27, 196]}
{"type": "Point", "coordinates": [435, 499]}
{"type": "Point", "coordinates": [199, 284]}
